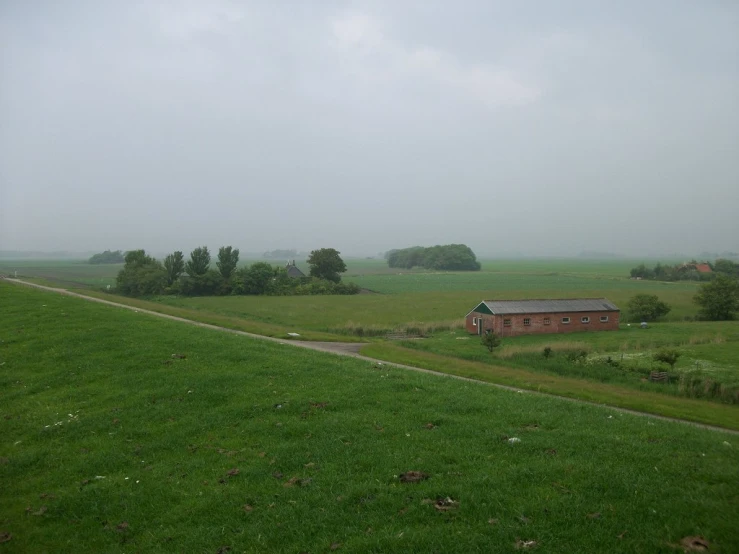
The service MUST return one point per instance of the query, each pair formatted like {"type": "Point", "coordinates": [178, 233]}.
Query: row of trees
{"type": "Point", "coordinates": [687, 271]}
{"type": "Point", "coordinates": [718, 300]}
{"type": "Point", "coordinates": [454, 257]}
{"type": "Point", "coordinates": [143, 275]}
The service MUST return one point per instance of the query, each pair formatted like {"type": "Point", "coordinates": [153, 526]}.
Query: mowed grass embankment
{"type": "Point", "coordinates": [220, 318]}
{"type": "Point", "coordinates": [112, 445]}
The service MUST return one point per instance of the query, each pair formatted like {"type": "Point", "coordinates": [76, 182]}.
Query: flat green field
{"type": "Point", "coordinates": [63, 273]}
{"type": "Point", "coordinates": [373, 314]}
{"type": "Point", "coordinates": [111, 444]}
{"type": "Point", "coordinates": [431, 299]}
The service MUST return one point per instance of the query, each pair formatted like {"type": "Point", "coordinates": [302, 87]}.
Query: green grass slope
{"type": "Point", "coordinates": [109, 444]}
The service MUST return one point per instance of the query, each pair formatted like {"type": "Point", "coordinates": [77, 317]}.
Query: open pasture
{"type": "Point", "coordinates": [110, 444]}
{"type": "Point", "coordinates": [431, 300]}
{"type": "Point", "coordinates": [63, 273]}
{"type": "Point", "coordinates": [416, 299]}
{"type": "Point", "coordinates": [376, 314]}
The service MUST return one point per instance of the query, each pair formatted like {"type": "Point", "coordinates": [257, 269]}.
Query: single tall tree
{"type": "Point", "coordinates": [199, 262]}
{"type": "Point", "coordinates": [719, 298]}
{"type": "Point", "coordinates": [175, 265]}
{"type": "Point", "coordinates": [326, 264]}
{"type": "Point", "coordinates": [228, 259]}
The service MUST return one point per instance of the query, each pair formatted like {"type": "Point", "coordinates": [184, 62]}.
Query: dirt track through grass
{"type": "Point", "coordinates": [352, 350]}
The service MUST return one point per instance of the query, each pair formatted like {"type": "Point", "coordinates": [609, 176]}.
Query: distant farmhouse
{"type": "Point", "coordinates": [293, 271]}
{"type": "Point", "coordinates": [508, 318]}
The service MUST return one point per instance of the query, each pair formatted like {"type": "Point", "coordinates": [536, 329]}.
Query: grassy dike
{"type": "Point", "coordinates": [220, 320]}
{"type": "Point", "coordinates": [109, 444]}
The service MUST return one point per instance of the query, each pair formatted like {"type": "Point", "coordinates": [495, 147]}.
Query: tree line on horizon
{"type": "Point", "coordinates": [107, 257]}
{"type": "Point", "coordinates": [143, 275]}
{"type": "Point", "coordinates": [685, 271]}
{"type": "Point", "coordinates": [450, 257]}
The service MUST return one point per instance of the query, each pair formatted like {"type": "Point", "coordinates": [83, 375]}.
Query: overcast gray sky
{"type": "Point", "coordinates": [531, 126]}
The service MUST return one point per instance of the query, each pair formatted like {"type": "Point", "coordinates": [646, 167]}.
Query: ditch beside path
{"type": "Point", "coordinates": [352, 350]}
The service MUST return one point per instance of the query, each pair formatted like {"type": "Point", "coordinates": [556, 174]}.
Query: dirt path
{"type": "Point", "coordinates": [351, 349]}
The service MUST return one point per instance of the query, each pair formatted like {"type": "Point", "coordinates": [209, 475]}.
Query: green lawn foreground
{"type": "Point", "coordinates": [109, 444]}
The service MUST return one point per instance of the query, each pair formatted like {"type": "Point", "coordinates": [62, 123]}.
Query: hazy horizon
{"type": "Point", "coordinates": [516, 128]}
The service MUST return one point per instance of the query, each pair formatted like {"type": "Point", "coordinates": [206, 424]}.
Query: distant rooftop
{"type": "Point", "coordinates": [293, 270]}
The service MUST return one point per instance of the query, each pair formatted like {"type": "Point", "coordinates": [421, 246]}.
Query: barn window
{"type": "Point", "coordinates": [547, 321]}
{"type": "Point", "coordinates": [527, 321]}
{"type": "Point", "coordinates": [604, 319]}
{"type": "Point", "coordinates": [565, 320]}
{"type": "Point", "coordinates": [507, 322]}
{"type": "Point", "coordinates": [474, 321]}
{"type": "Point", "coordinates": [585, 319]}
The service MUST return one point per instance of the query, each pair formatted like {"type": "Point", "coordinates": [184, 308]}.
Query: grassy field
{"type": "Point", "coordinates": [584, 386]}
{"type": "Point", "coordinates": [112, 445]}
{"type": "Point", "coordinates": [433, 304]}
{"type": "Point", "coordinates": [378, 313]}
{"type": "Point", "coordinates": [63, 273]}
{"type": "Point", "coordinates": [417, 298]}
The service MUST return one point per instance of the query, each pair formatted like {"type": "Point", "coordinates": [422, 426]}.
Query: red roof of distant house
{"type": "Point", "coordinates": [703, 268]}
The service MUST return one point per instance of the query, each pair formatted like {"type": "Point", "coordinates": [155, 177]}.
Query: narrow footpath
{"type": "Point", "coordinates": [352, 350]}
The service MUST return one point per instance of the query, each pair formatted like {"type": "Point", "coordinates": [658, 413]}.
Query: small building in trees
{"type": "Point", "coordinates": [293, 270]}
{"type": "Point", "coordinates": [508, 318]}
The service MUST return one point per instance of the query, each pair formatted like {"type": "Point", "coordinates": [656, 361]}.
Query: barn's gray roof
{"type": "Point", "coordinates": [550, 306]}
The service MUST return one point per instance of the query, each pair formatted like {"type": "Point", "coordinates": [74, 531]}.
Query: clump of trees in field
{"type": "Point", "coordinates": [143, 275]}
{"type": "Point", "coordinates": [647, 307]}
{"type": "Point", "coordinates": [690, 271]}
{"type": "Point", "coordinates": [452, 257]}
{"type": "Point", "coordinates": [107, 257]}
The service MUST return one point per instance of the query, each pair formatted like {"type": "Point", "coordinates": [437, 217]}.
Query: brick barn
{"type": "Point", "coordinates": [508, 318]}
